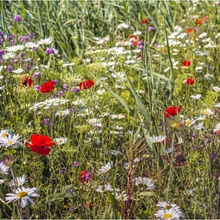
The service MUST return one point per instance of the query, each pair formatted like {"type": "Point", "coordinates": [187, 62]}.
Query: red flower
{"type": "Point", "coordinates": [85, 176]}
{"type": "Point", "coordinates": [144, 21]}
{"type": "Point", "coordinates": [172, 111]}
{"type": "Point", "coordinates": [40, 144]}
{"type": "Point", "coordinates": [86, 84]}
{"type": "Point", "coordinates": [189, 30]}
{"type": "Point", "coordinates": [27, 81]}
{"type": "Point", "coordinates": [186, 63]}
{"type": "Point", "coordinates": [189, 81]}
{"type": "Point", "coordinates": [199, 21]}
{"type": "Point", "coordinates": [47, 87]}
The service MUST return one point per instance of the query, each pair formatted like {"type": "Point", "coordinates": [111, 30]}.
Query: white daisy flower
{"type": "Point", "coordinates": [19, 181]}
{"type": "Point", "coordinates": [60, 141]}
{"type": "Point", "coordinates": [31, 45]}
{"type": "Point", "coordinates": [45, 41]}
{"type": "Point", "coordinates": [137, 33]}
{"type": "Point", "coordinates": [10, 140]}
{"type": "Point", "coordinates": [199, 126]}
{"type": "Point", "coordinates": [22, 194]}
{"type": "Point", "coordinates": [172, 213]}
{"type": "Point", "coordinates": [14, 48]}
{"type": "Point", "coordinates": [123, 26]}
{"type": "Point", "coordinates": [4, 169]}
{"type": "Point", "coordinates": [107, 187]}
{"type": "Point", "coordinates": [8, 55]}
{"type": "Point", "coordinates": [119, 116]}
{"type": "Point", "coordinates": [207, 112]}
{"type": "Point", "coordinates": [122, 196]}
{"type": "Point", "coordinates": [63, 113]}
{"type": "Point", "coordinates": [144, 181]}
{"type": "Point", "coordinates": [84, 112]}
{"type": "Point", "coordinates": [156, 139]}
{"type": "Point", "coordinates": [106, 168]}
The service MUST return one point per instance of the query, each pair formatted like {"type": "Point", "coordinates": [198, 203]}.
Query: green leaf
{"type": "Point", "coordinates": [122, 101]}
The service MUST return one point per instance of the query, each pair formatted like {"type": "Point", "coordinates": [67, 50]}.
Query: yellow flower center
{"type": "Point", "coordinates": [205, 112]}
{"type": "Point", "coordinates": [166, 216]}
{"type": "Point", "coordinates": [10, 143]}
{"type": "Point", "coordinates": [22, 194]}
{"type": "Point", "coordinates": [187, 123]}
{"type": "Point", "coordinates": [84, 112]}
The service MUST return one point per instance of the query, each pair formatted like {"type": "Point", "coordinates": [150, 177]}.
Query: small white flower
{"type": "Point", "coordinates": [63, 113]}
{"type": "Point", "coordinates": [216, 89]}
{"type": "Point", "coordinates": [106, 168]}
{"type": "Point", "coordinates": [19, 70]}
{"type": "Point", "coordinates": [19, 181]}
{"type": "Point", "coordinates": [84, 112]}
{"type": "Point", "coordinates": [4, 169]}
{"type": "Point", "coordinates": [115, 152]}
{"type": "Point", "coordinates": [208, 76]}
{"type": "Point", "coordinates": [14, 48]}
{"type": "Point", "coordinates": [123, 26]}
{"type": "Point", "coordinates": [137, 33]}
{"type": "Point", "coordinates": [31, 45]}
{"type": "Point", "coordinates": [100, 91]}
{"type": "Point", "coordinates": [120, 116]}
{"type": "Point", "coordinates": [144, 181]}
{"type": "Point", "coordinates": [207, 112]}
{"type": "Point", "coordinates": [8, 55]}
{"type": "Point", "coordinates": [45, 41]}
{"type": "Point", "coordinates": [107, 187]}
{"type": "Point", "coordinates": [122, 196]}
{"type": "Point", "coordinates": [156, 139]}
{"type": "Point", "coordinates": [199, 126]}
{"type": "Point", "coordinates": [68, 64]}
{"type": "Point", "coordinates": [23, 195]}
{"type": "Point", "coordinates": [60, 141]}
{"type": "Point", "coordinates": [198, 96]}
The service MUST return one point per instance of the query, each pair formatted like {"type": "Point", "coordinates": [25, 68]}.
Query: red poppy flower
{"type": "Point", "coordinates": [172, 111]}
{"type": "Point", "coordinates": [27, 81]}
{"type": "Point", "coordinates": [86, 84]}
{"type": "Point", "coordinates": [199, 21]}
{"type": "Point", "coordinates": [85, 176]}
{"type": "Point", "coordinates": [190, 30]}
{"type": "Point", "coordinates": [144, 21]}
{"type": "Point", "coordinates": [186, 63]}
{"type": "Point", "coordinates": [40, 144]}
{"type": "Point", "coordinates": [189, 81]}
{"type": "Point", "coordinates": [47, 87]}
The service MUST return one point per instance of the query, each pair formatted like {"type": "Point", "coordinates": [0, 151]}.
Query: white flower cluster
{"type": "Point", "coordinates": [47, 104]}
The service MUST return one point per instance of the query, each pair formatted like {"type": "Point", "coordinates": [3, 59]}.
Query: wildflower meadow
{"type": "Point", "coordinates": [110, 109]}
